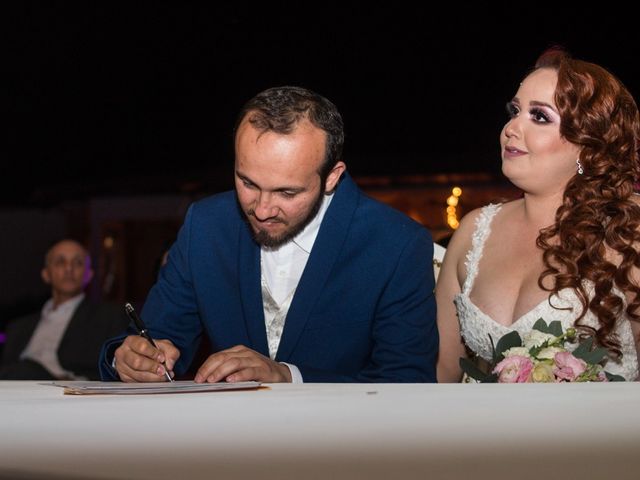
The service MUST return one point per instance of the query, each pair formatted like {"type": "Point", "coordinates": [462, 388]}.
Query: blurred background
{"type": "Point", "coordinates": [119, 115]}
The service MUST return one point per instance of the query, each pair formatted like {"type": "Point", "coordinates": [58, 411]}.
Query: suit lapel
{"type": "Point", "coordinates": [250, 290]}
{"type": "Point", "coordinates": [76, 330]}
{"type": "Point", "coordinates": [328, 244]}
{"type": "Point", "coordinates": [77, 324]}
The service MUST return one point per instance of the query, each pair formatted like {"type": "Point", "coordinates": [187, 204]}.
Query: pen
{"type": "Point", "coordinates": [137, 321]}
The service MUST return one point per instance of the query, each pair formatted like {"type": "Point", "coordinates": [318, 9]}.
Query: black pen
{"type": "Point", "coordinates": [137, 321]}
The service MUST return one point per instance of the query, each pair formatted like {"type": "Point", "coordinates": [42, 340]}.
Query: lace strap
{"type": "Point", "coordinates": [480, 234]}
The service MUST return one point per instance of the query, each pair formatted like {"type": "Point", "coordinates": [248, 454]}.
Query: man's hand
{"type": "Point", "coordinates": [241, 364]}
{"type": "Point", "coordinates": [138, 361]}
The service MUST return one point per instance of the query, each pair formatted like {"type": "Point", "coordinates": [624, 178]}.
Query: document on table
{"type": "Point", "coordinates": [120, 388]}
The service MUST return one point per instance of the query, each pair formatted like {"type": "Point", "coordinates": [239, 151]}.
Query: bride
{"type": "Point", "coordinates": [568, 249]}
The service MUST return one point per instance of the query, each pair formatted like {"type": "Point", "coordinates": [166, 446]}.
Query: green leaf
{"type": "Point", "coordinates": [491, 378]}
{"type": "Point", "coordinates": [583, 348]}
{"type": "Point", "coordinates": [612, 377]}
{"type": "Point", "coordinates": [594, 356]}
{"type": "Point", "coordinates": [510, 340]}
{"type": "Point", "coordinates": [555, 328]}
{"type": "Point", "coordinates": [473, 371]}
{"type": "Point", "coordinates": [541, 326]}
{"type": "Point", "coordinates": [586, 352]}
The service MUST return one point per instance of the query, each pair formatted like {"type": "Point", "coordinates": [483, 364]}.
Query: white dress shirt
{"type": "Point", "coordinates": [281, 270]}
{"type": "Point", "coordinates": [43, 345]}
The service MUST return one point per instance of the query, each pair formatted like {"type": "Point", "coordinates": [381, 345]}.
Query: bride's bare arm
{"type": "Point", "coordinates": [449, 284]}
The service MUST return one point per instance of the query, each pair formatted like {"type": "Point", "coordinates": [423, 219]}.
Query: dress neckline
{"type": "Point", "coordinates": [474, 255]}
{"type": "Point", "coordinates": [513, 324]}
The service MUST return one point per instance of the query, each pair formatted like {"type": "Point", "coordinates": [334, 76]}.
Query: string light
{"type": "Point", "coordinates": [108, 242]}
{"type": "Point", "coordinates": [452, 203]}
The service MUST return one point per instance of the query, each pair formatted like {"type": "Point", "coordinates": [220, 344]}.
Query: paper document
{"type": "Point", "coordinates": [120, 388]}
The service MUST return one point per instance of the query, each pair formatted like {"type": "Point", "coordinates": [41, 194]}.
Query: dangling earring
{"type": "Point", "coordinates": [580, 169]}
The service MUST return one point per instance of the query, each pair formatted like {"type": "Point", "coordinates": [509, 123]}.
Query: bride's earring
{"type": "Point", "coordinates": [580, 169]}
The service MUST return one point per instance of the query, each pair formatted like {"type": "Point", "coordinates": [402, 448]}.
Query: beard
{"type": "Point", "coordinates": [264, 239]}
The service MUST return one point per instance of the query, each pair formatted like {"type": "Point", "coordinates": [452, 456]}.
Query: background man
{"type": "Point", "coordinates": [63, 340]}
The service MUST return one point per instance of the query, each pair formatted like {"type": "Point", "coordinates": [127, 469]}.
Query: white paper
{"type": "Point", "coordinates": [121, 388]}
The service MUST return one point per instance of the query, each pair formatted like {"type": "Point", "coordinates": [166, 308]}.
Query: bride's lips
{"type": "Point", "coordinates": [513, 152]}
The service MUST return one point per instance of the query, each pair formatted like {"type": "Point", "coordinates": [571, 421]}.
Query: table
{"type": "Point", "coordinates": [325, 431]}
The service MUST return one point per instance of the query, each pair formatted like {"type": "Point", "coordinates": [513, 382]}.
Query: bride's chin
{"type": "Point", "coordinates": [508, 169]}
{"type": "Point", "coordinates": [517, 179]}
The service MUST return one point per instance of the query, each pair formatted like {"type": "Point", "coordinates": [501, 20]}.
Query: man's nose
{"type": "Point", "coordinates": [265, 207]}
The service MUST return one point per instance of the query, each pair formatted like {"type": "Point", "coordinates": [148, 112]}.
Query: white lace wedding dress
{"type": "Point", "coordinates": [476, 326]}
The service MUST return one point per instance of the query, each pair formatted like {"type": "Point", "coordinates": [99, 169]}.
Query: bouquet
{"type": "Point", "coordinates": [541, 356]}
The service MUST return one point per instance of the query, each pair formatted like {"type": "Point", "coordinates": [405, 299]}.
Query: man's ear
{"type": "Point", "coordinates": [334, 176]}
{"type": "Point", "coordinates": [46, 278]}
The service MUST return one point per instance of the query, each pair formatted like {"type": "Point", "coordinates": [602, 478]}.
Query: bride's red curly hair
{"type": "Point", "coordinates": [596, 232]}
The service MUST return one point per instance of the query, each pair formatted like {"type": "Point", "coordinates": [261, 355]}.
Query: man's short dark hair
{"type": "Point", "coordinates": [280, 109]}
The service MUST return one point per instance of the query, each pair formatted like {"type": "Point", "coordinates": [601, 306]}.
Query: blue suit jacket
{"type": "Point", "coordinates": [364, 309]}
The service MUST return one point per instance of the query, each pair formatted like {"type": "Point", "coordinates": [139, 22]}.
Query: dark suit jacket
{"type": "Point", "coordinates": [363, 311]}
{"type": "Point", "coordinates": [90, 325]}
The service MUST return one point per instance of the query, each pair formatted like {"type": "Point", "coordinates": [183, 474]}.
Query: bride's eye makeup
{"type": "Point", "coordinates": [512, 109]}
{"type": "Point", "coordinates": [538, 115]}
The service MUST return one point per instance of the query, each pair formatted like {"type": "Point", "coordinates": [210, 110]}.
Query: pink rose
{"type": "Point", "coordinates": [567, 367]}
{"type": "Point", "coordinates": [514, 369]}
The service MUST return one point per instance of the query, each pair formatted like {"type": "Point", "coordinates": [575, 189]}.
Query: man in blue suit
{"type": "Point", "coordinates": [295, 276]}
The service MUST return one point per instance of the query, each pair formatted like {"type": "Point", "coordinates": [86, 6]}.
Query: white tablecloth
{"type": "Point", "coordinates": [325, 431]}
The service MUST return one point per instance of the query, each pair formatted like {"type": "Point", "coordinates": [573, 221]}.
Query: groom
{"type": "Point", "coordinates": [295, 276]}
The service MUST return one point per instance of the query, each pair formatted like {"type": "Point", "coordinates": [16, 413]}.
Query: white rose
{"type": "Point", "coordinates": [521, 351]}
{"type": "Point", "coordinates": [536, 338]}
{"type": "Point", "coordinates": [549, 353]}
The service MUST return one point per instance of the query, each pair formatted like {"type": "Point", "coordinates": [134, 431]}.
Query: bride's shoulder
{"type": "Point", "coordinates": [487, 213]}
{"type": "Point", "coordinates": [492, 214]}
{"type": "Point", "coordinates": [470, 220]}
{"type": "Point", "coordinates": [462, 237]}
{"type": "Point", "coordinates": [511, 205]}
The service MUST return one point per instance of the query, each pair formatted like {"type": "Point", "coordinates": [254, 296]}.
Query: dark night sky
{"type": "Point", "coordinates": [142, 96]}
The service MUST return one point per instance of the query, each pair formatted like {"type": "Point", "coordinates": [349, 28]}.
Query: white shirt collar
{"type": "Point", "coordinates": [70, 304]}
{"type": "Point", "coordinates": [306, 238]}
